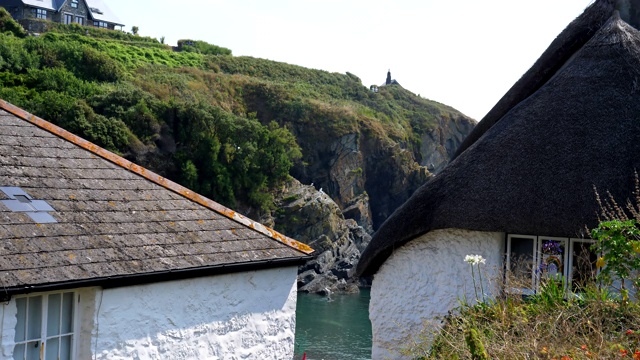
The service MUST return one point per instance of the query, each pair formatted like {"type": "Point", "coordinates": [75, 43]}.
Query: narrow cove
{"type": "Point", "coordinates": [334, 328]}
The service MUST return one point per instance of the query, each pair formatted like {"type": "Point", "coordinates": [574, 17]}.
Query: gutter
{"type": "Point", "coordinates": [160, 276]}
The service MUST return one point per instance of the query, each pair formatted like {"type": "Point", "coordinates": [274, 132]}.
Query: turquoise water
{"type": "Point", "coordinates": [335, 329]}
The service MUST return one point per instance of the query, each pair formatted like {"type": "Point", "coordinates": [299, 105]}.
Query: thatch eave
{"type": "Point", "coordinates": [534, 171]}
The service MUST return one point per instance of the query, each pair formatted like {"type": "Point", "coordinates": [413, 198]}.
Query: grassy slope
{"type": "Point", "coordinates": [203, 120]}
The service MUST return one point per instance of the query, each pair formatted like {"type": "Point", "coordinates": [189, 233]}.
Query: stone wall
{"type": "Point", "coordinates": [81, 11]}
{"type": "Point", "coordinates": [425, 279]}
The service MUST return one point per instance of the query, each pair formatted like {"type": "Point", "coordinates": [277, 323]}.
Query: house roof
{"type": "Point", "coordinates": [101, 12]}
{"type": "Point", "coordinates": [53, 5]}
{"type": "Point", "coordinates": [98, 10]}
{"type": "Point", "coordinates": [111, 221]}
{"type": "Point", "coordinates": [569, 126]}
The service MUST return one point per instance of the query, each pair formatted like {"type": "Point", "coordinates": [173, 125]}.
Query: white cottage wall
{"type": "Point", "coordinates": [249, 315]}
{"type": "Point", "coordinates": [425, 279]}
{"type": "Point", "coordinates": [8, 328]}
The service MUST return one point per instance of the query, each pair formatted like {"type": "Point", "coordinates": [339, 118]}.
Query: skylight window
{"type": "Point", "coordinates": [20, 201]}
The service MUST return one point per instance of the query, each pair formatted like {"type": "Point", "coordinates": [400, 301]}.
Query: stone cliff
{"type": "Point", "coordinates": [356, 179]}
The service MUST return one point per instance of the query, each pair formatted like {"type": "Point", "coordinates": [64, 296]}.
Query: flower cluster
{"type": "Point", "coordinates": [551, 247]}
{"type": "Point", "coordinates": [474, 259]}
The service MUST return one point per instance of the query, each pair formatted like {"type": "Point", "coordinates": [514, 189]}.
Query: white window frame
{"type": "Point", "coordinates": [78, 20]}
{"type": "Point", "coordinates": [43, 322]}
{"type": "Point", "coordinates": [567, 260]}
{"type": "Point", "coordinates": [565, 255]}
{"type": "Point", "coordinates": [572, 242]}
{"type": "Point", "coordinates": [67, 16]}
{"type": "Point", "coordinates": [74, 4]}
{"type": "Point", "coordinates": [523, 291]}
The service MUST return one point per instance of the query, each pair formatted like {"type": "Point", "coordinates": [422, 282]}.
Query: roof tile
{"type": "Point", "coordinates": [111, 221]}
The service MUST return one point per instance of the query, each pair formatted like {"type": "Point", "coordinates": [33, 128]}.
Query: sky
{"type": "Point", "coordinates": [463, 53]}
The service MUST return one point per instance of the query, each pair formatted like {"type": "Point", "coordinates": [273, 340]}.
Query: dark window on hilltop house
{"type": "Point", "coordinates": [74, 3]}
{"type": "Point", "coordinates": [533, 259]}
{"type": "Point", "coordinates": [101, 24]}
{"type": "Point", "coordinates": [39, 13]}
{"type": "Point", "coordinates": [80, 20]}
{"type": "Point", "coordinates": [68, 18]}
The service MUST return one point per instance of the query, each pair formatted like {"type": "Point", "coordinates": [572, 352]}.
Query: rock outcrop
{"type": "Point", "coordinates": [311, 216]}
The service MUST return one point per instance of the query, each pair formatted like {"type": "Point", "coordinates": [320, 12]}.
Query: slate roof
{"type": "Point", "coordinates": [571, 124]}
{"type": "Point", "coordinates": [115, 220]}
{"type": "Point", "coordinates": [101, 12]}
{"type": "Point", "coordinates": [53, 5]}
{"type": "Point", "coordinates": [98, 9]}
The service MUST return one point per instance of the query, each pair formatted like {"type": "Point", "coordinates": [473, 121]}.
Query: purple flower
{"type": "Point", "coordinates": [551, 247]}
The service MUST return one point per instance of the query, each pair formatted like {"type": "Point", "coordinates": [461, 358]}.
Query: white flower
{"type": "Point", "coordinates": [474, 259]}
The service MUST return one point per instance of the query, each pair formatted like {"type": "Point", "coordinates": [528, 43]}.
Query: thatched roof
{"type": "Point", "coordinates": [73, 214]}
{"type": "Point", "coordinates": [570, 124]}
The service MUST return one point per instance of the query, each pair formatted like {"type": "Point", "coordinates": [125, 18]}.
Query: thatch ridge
{"type": "Point", "coordinates": [534, 170]}
{"type": "Point", "coordinates": [559, 51]}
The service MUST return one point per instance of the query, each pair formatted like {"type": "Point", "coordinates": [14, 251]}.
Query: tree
{"type": "Point", "coordinates": [135, 30]}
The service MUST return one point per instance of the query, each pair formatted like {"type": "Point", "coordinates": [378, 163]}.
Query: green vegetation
{"type": "Point", "coordinates": [8, 25]}
{"type": "Point", "coordinates": [202, 47]}
{"type": "Point", "coordinates": [594, 325]}
{"type": "Point", "coordinates": [225, 126]}
{"type": "Point", "coordinates": [600, 321]}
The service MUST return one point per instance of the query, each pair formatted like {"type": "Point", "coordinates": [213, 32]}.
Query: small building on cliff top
{"type": "Point", "coordinates": [103, 259]}
{"type": "Point", "coordinates": [522, 184]}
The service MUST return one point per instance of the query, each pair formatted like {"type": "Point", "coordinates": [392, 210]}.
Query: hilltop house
{"type": "Point", "coordinates": [103, 259]}
{"type": "Point", "coordinates": [83, 12]}
{"type": "Point", "coordinates": [522, 182]}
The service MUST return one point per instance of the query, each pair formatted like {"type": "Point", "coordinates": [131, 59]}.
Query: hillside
{"type": "Point", "coordinates": [235, 129]}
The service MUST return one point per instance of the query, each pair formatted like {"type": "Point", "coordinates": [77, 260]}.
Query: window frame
{"type": "Point", "coordinates": [74, 4]}
{"type": "Point", "coordinates": [44, 314]}
{"type": "Point", "coordinates": [565, 254]}
{"type": "Point", "coordinates": [67, 16]}
{"type": "Point", "coordinates": [523, 291]}
{"type": "Point", "coordinates": [76, 18]}
{"type": "Point", "coordinates": [39, 13]}
{"type": "Point", "coordinates": [572, 242]}
{"type": "Point", "coordinates": [537, 256]}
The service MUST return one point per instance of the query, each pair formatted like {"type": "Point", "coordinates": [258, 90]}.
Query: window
{"type": "Point", "coordinates": [581, 263]}
{"type": "Point", "coordinates": [39, 13]}
{"type": "Point", "coordinates": [79, 20]}
{"type": "Point", "coordinates": [534, 259]}
{"type": "Point", "coordinates": [68, 18]}
{"type": "Point", "coordinates": [101, 24]}
{"type": "Point", "coordinates": [74, 3]}
{"type": "Point", "coordinates": [520, 263]}
{"type": "Point", "coordinates": [45, 325]}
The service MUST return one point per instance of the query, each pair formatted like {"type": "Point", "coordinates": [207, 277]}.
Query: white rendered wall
{"type": "Point", "coordinates": [248, 315]}
{"type": "Point", "coordinates": [8, 327]}
{"type": "Point", "coordinates": [425, 279]}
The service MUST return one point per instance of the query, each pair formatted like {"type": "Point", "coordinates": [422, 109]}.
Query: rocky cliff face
{"type": "Point", "coordinates": [355, 182]}
{"type": "Point", "coordinates": [311, 216]}
{"type": "Point", "coordinates": [369, 175]}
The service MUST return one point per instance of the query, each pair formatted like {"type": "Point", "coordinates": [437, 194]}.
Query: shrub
{"type": "Point", "coordinates": [8, 25]}
{"type": "Point", "coordinates": [548, 325]}
{"type": "Point", "coordinates": [202, 47]}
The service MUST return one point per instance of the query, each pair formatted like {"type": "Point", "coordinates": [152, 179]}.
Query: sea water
{"type": "Point", "coordinates": [333, 328]}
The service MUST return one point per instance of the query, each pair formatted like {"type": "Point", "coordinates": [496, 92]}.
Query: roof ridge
{"type": "Point", "coordinates": [153, 177]}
